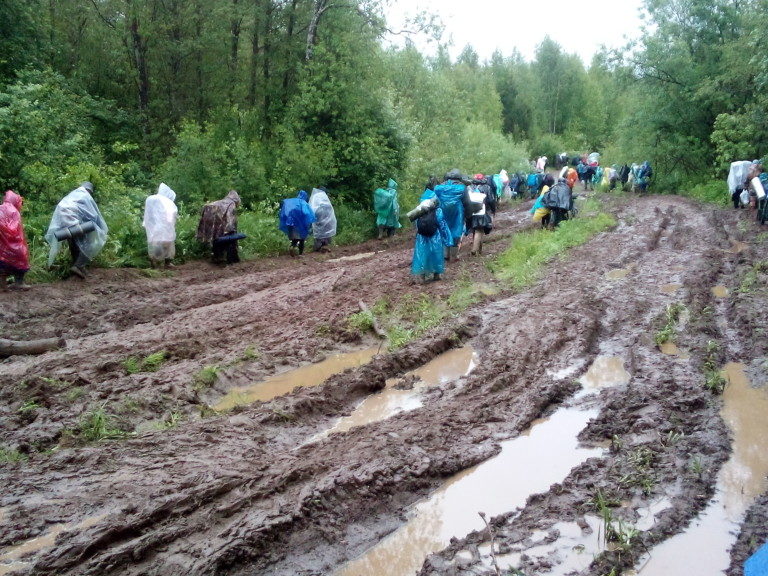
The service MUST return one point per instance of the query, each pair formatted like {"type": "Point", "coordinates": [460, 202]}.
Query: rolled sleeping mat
{"type": "Point", "coordinates": [74, 231]}
{"type": "Point", "coordinates": [231, 237]}
{"type": "Point", "coordinates": [424, 207]}
{"type": "Point", "coordinates": [757, 185]}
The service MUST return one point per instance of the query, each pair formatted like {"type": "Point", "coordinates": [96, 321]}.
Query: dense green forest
{"type": "Point", "coordinates": [272, 96]}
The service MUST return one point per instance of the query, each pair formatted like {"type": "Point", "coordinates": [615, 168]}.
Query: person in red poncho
{"type": "Point", "coordinates": [14, 252]}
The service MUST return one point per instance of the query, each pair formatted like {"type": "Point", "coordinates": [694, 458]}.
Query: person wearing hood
{"type": "Point", "coordinates": [14, 251]}
{"type": "Point", "coordinates": [218, 227]}
{"type": "Point", "coordinates": [324, 227]}
{"type": "Point", "coordinates": [296, 217]}
{"type": "Point", "coordinates": [160, 215]}
{"type": "Point", "coordinates": [432, 235]}
{"type": "Point", "coordinates": [482, 207]}
{"type": "Point", "coordinates": [77, 220]}
{"type": "Point", "coordinates": [452, 195]}
{"type": "Point", "coordinates": [387, 209]}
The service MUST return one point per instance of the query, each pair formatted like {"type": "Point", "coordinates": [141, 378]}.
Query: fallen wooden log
{"type": "Point", "coordinates": [15, 347]}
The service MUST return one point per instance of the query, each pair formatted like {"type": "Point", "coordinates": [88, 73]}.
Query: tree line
{"type": "Point", "coordinates": [270, 96]}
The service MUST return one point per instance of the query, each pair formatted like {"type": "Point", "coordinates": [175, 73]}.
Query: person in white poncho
{"type": "Point", "coordinates": [77, 220]}
{"type": "Point", "coordinates": [324, 227]}
{"type": "Point", "coordinates": [160, 215]}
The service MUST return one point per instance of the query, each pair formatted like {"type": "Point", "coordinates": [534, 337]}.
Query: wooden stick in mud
{"type": "Point", "coordinates": [376, 328]}
{"type": "Point", "coordinates": [14, 347]}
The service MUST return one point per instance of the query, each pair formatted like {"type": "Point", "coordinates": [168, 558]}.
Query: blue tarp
{"type": "Point", "coordinates": [757, 564]}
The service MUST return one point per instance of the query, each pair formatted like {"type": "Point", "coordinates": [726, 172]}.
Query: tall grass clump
{"type": "Point", "coordinates": [521, 264]}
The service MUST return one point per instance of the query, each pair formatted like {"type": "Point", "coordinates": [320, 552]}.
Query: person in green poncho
{"type": "Point", "coordinates": [387, 209]}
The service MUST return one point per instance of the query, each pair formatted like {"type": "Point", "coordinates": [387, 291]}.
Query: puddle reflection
{"type": "Point", "coordinates": [443, 369]}
{"type": "Point", "coordinates": [526, 465]}
{"type": "Point", "coordinates": [306, 376]}
{"type": "Point", "coordinates": [708, 540]}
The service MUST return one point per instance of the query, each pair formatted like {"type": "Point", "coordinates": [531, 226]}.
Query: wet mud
{"type": "Point", "coordinates": [185, 481]}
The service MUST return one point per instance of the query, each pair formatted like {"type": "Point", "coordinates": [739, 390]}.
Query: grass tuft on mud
{"type": "Point", "coordinates": [521, 264]}
{"type": "Point", "coordinates": [149, 363]}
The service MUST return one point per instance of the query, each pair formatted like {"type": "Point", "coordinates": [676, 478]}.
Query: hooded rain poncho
{"type": "Point", "coordinates": [296, 216]}
{"type": "Point", "coordinates": [325, 218]}
{"type": "Point", "coordinates": [160, 214]}
{"type": "Point", "coordinates": [451, 196]}
{"type": "Point", "coordinates": [218, 218]}
{"type": "Point", "coordinates": [77, 207]}
{"type": "Point", "coordinates": [14, 251]}
{"type": "Point", "coordinates": [428, 257]}
{"type": "Point", "coordinates": [386, 206]}
{"type": "Point", "coordinates": [737, 175]}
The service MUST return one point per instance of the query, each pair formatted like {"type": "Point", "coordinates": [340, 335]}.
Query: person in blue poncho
{"type": "Point", "coordinates": [432, 234]}
{"type": "Point", "coordinates": [296, 217]}
{"type": "Point", "coordinates": [452, 195]}
{"type": "Point", "coordinates": [387, 209]}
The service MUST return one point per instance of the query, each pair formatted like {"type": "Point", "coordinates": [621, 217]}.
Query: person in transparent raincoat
{"type": "Point", "coordinates": [432, 236]}
{"type": "Point", "coordinates": [74, 213]}
{"type": "Point", "coordinates": [387, 209]}
{"type": "Point", "coordinates": [160, 215]}
{"type": "Point", "coordinates": [324, 227]}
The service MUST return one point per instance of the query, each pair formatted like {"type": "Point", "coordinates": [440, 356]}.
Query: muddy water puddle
{"type": "Point", "coordinates": [354, 257]}
{"type": "Point", "coordinates": [720, 292]}
{"type": "Point", "coordinates": [707, 540]}
{"type": "Point", "coordinates": [529, 464]}
{"type": "Point", "coordinates": [617, 274]}
{"type": "Point", "coordinates": [441, 370]}
{"type": "Point", "coordinates": [306, 376]}
{"type": "Point", "coordinates": [671, 288]}
{"type": "Point", "coordinates": [12, 557]}
{"type": "Point", "coordinates": [605, 371]}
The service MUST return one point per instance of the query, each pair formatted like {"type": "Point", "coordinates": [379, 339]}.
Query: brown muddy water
{"type": "Point", "coordinates": [617, 274]}
{"type": "Point", "coordinates": [12, 558]}
{"type": "Point", "coordinates": [703, 549]}
{"type": "Point", "coordinates": [354, 257]}
{"type": "Point", "coordinates": [306, 376]}
{"type": "Point", "coordinates": [442, 369]}
{"type": "Point", "coordinates": [526, 465]}
{"type": "Point", "coordinates": [671, 288]}
{"type": "Point", "coordinates": [720, 292]}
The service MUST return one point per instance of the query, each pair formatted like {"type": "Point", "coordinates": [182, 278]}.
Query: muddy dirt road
{"type": "Point", "coordinates": [135, 449]}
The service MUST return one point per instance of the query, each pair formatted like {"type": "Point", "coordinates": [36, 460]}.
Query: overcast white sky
{"type": "Point", "coordinates": [578, 27]}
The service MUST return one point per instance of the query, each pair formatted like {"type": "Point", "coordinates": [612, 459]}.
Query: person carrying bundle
{"type": "Point", "coordinates": [218, 227]}
{"type": "Point", "coordinates": [432, 235]}
{"type": "Point", "coordinates": [77, 220]}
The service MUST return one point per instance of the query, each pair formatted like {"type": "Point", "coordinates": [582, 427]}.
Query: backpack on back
{"type": "Point", "coordinates": [427, 225]}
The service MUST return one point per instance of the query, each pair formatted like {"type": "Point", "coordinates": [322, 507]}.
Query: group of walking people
{"type": "Point", "coordinates": [448, 211]}
{"type": "Point", "coordinates": [306, 214]}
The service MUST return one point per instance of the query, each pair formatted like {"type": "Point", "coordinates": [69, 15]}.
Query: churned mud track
{"type": "Point", "coordinates": [244, 493]}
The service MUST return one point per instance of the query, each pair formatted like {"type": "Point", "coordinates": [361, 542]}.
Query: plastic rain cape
{"type": "Point", "coordinates": [296, 214]}
{"type": "Point", "coordinates": [160, 214]}
{"type": "Point", "coordinates": [428, 257]}
{"type": "Point", "coordinates": [325, 217]}
{"type": "Point", "coordinates": [386, 206]}
{"type": "Point", "coordinates": [77, 207]}
{"type": "Point", "coordinates": [14, 250]}
{"type": "Point", "coordinates": [451, 195]}
{"type": "Point", "coordinates": [738, 174]}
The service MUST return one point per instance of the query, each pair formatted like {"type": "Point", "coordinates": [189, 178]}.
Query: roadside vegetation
{"type": "Point", "coordinates": [335, 108]}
